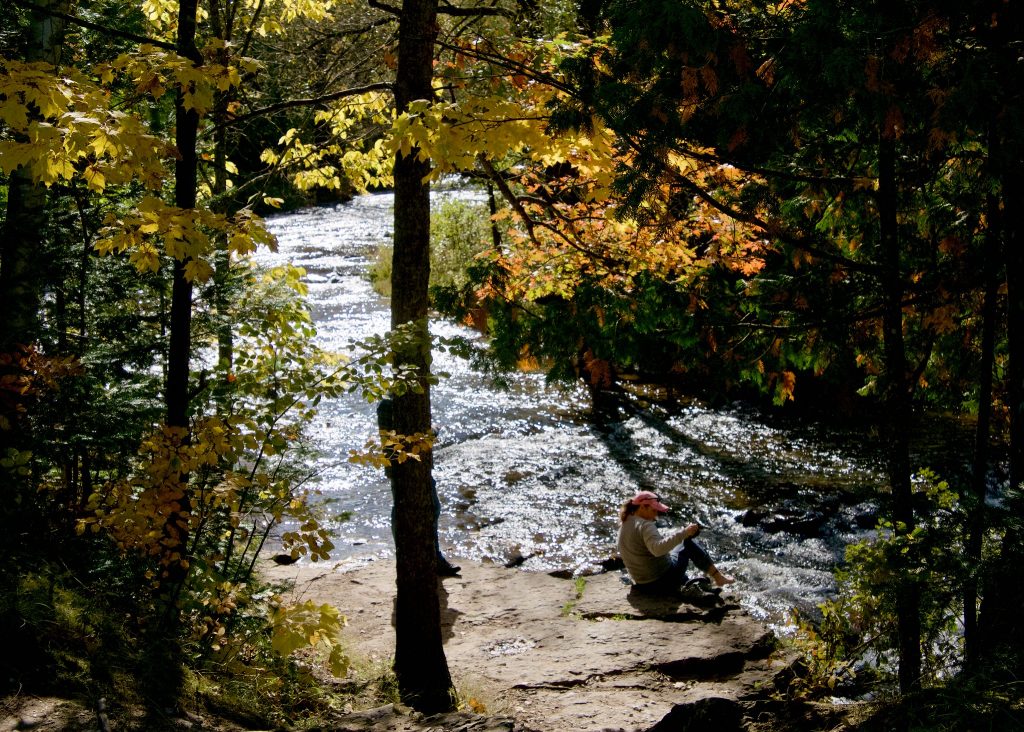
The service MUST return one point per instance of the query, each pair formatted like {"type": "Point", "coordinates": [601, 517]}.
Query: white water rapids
{"type": "Point", "coordinates": [524, 473]}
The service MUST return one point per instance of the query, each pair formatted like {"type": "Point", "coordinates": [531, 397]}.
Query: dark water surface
{"type": "Point", "coordinates": [525, 473]}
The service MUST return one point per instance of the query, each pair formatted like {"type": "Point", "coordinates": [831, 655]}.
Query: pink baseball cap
{"type": "Point", "coordinates": [646, 498]}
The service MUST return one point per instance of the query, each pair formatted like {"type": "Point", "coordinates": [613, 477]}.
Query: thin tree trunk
{"type": "Point", "coordinates": [492, 208]}
{"type": "Point", "coordinates": [896, 415]}
{"type": "Point", "coordinates": [222, 261]}
{"type": "Point", "coordinates": [82, 297]}
{"type": "Point", "coordinates": [165, 677]}
{"type": "Point", "coordinates": [975, 500]}
{"type": "Point", "coordinates": [1000, 632]}
{"type": "Point", "coordinates": [1014, 253]}
{"type": "Point", "coordinates": [177, 397]}
{"type": "Point", "coordinates": [421, 668]}
{"type": "Point", "coordinates": [186, 169]}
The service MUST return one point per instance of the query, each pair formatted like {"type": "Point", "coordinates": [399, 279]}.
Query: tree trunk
{"type": "Point", "coordinates": [975, 498]}
{"type": "Point", "coordinates": [22, 245]}
{"type": "Point", "coordinates": [165, 677]}
{"type": "Point", "coordinates": [1014, 252]}
{"type": "Point", "coordinates": [23, 256]}
{"type": "Point", "coordinates": [186, 169]}
{"type": "Point", "coordinates": [1000, 632]}
{"type": "Point", "coordinates": [177, 398]}
{"type": "Point", "coordinates": [21, 261]}
{"type": "Point", "coordinates": [219, 25]}
{"type": "Point", "coordinates": [421, 668]}
{"type": "Point", "coordinates": [896, 415]}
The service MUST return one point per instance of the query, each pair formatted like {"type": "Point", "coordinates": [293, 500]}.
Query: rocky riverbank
{"type": "Point", "coordinates": [532, 652]}
{"type": "Point", "coordinates": [547, 654]}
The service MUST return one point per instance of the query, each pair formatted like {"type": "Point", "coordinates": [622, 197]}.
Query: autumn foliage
{"type": "Point", "coordinates": [807, 204]}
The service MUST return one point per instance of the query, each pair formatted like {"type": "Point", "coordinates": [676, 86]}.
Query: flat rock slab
{"type": "Point", "coordinates": [532, 646]}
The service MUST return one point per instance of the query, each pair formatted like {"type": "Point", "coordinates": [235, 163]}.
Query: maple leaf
{"type": "Point", "coordinates": [198, 270]}
{"type": "Point", "coordinates": [785, 387]}
{"type": "Point", "coordinates": [94, 178]}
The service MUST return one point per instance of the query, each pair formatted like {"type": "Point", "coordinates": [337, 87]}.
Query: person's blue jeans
{"type": "Point", "coordinates": [675, 577]}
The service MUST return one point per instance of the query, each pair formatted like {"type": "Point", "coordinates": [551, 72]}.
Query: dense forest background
{"type": "Point", "coordinates": [805, 203]}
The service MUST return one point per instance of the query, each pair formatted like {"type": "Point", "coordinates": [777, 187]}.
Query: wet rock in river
{"type": "Point", "coordinates": [861, 516]}
{"type": "Point", "coordinates": [806, 523]}
{"type": "Point", "coordinates": [753, 517]}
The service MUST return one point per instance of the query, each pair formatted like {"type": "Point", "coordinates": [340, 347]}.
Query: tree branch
{"type": "Point", "coordinates": [312, 101]}
{"type": "Point", "coordinates": [385, 7]}
{"type": "Point", "coordinates": [28, 5]}
{"type": "Point", "coordinates": [252, 25]}
{"type": "Point", "coordinates": [508, 64]}
{"type": "Point", "coordinates": [775, 229]}
{"type": "Point", "coordinates": [507, 194]}
{"type": "Point", "coordinates": [447, 9]}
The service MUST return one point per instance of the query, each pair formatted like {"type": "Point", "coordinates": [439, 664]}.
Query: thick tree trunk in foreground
{"type": "Point", "coordinates": [424, 681]}
{"type": "Point", "coordinates": [22, 281]}
{"type": "Point", "coordinates": [21, 261]}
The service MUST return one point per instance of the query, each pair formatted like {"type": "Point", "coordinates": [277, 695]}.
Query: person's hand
{"type": "Point", "coordinates": [692, 530]}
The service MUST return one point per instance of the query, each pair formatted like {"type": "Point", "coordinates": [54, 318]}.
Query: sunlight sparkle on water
{"type": "Point", "coordinates": [523, 474]}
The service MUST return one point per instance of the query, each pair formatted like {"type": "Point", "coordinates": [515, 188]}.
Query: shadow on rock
{"type": "Point", "coordinates": [705, 714]}
{"type": "Point", "coordinates": [680, 607]}
{"type": "Point", "coordinates": [449, 615]}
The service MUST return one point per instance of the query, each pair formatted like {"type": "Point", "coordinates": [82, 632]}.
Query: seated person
{"type": "Point", "coordinates": [657, 564]}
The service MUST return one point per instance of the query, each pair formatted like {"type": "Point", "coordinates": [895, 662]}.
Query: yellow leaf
{"type": "Point", "coordinates": [94, 179]}
{"type": "Point", "coordinates": [145, 258]}
{"type": "Point", "coordinates": [241, 243]}
{"type": "Point", "coordinates": [14, 114]}
{"type": "Point", "coordinates": [198, 270]}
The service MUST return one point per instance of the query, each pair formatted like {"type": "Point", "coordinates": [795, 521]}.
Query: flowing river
{"type": "Point", "coordinates": [525, 475]}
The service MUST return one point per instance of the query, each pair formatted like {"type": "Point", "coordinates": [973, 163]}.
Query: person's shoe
{"type": "Point", "coordinates": [693, 594]}
{"type": "Point", "coordinates": [446, 569]}
{"type": "Point", "coordinates": [703, 584]}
